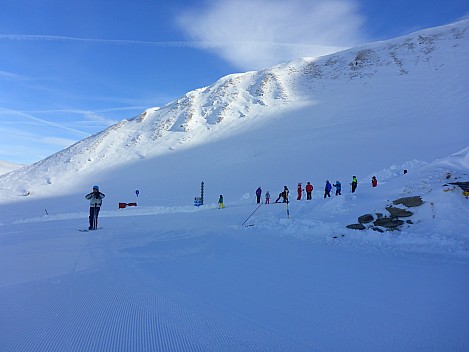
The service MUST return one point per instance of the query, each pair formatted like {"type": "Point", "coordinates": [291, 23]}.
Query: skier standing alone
{"type": "Point", "coordinates": [221, 204]}
{"type": "Point", "coordinates": [96, 200]}
{"type": "Point", "coordinates": [374, 181]}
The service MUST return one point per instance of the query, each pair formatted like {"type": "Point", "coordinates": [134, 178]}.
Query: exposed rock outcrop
{"type": "Point", "coordinates": [356, 226]}
{"type": "Point", "coordinates": [398, 212]}
{"type": "Point", "coordinates": [391, 222]}
{"type": "Point", "coordinates": [409, 202]}
{"type": "Point", "coordinates": [365, 219]}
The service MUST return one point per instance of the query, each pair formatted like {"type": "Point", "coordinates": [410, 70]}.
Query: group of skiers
{"type": "Point", "coordinates": [283, 196]}
{"type": "Point", "coordinates": [96, 197]}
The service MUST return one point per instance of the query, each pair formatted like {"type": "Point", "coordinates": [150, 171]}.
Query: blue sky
{"type": "Point", "coordinates": [69, 69]}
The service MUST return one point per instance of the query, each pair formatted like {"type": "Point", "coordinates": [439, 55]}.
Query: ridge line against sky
{"type": "Point", "coordinates": [69, 70]}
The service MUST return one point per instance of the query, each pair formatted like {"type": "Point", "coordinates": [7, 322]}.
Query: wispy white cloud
{"type": "Point", "coordinates": [94, 116]}
{"type": "Point", "coordinates": [57, 141]}
{"type": "Point", "coordinates": [253, 34]}
{"type": "Point", "coordinates": [39, 121]}
{"type": "Point", "coordinates": [84, 115]}
{"type": "Point", "coordinates": [28, 144]}
{"type": "Point", "coordinates": [29, 37]}
{"type": "Point", "coordinates": [10, 76]}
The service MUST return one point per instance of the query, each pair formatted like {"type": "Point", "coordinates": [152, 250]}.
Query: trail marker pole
{"type": "Point", "coordinates": [198, 201]}
{"type": "Point", "coordinates": [202, 192]}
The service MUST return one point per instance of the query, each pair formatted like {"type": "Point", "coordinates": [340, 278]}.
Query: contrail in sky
{"type": "Point", "coordinates": [175, 44]}
{"type": "Point", "coordinates": [44, 122]}
{"type": "Point", "coordinates": [21, 37]}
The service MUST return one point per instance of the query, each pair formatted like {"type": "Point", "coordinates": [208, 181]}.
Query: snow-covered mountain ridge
{"type": "Point", "coordinates": [399, 87]}
{"type": "Point", "coordinates": [239, 97]}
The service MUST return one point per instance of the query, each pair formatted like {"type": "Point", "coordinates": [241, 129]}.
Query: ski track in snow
{"type": "Point", "coordinates": [163, 283]}
{"type": "Point", "coordinates": [92, 310]}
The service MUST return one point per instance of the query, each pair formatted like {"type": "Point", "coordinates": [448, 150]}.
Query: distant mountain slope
{"type": "Point", "coordinates": [376, 104]}
{"type": "Point", "coordinates": [6, 166]}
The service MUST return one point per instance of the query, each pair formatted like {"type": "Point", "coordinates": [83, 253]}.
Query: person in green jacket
{"type": "Point", "coordinates": [354, 183]}
{"type": "Point", "coordinates": [220, 202]}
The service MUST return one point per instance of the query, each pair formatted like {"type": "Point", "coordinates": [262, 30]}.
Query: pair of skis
{"type": "Point", "coordinates": [88, 230]}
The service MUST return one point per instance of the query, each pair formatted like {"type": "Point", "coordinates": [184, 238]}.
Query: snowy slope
{"type": "Point", "coordinates": [354, 112]}
{"type": "Point", "coordinates": [183, 278]}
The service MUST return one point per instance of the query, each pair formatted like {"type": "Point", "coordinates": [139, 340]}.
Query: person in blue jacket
{"type": "Point", "coordinates": [338, 188]}
{"type": "Point", "coordinates": [258, 194]}
{"type": "Point", "coordinates": [327, 189]}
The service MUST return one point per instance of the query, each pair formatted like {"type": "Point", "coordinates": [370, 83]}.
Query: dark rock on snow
{"type": "Point", "coordinates": [388, 223]}
{"type": "Point", "coordinates": [356, 227]}
{"type": "Point", "coordinates": [399, 213]}
{"type": "Point", "coordinates": [365, 219]}
{"type": "Point", "coordinates": [409, 201]}
{"type": "Point", "coordinates": [392, 223]}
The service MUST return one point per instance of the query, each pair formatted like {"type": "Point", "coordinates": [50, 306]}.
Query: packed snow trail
{"type": "Point", "coordinates": [166, 283]}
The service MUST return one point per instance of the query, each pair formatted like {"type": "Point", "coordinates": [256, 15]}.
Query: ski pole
{"type": "Point", "coordinates": [251, 214]}
{"type": "Point", "coordinates": [95, 217]}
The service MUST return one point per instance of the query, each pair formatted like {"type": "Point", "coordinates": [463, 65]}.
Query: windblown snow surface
{"type": "Point", "coordinates": [169, 276]}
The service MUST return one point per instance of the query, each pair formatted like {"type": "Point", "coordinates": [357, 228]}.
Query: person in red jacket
{"type": "Point", "coordinates": [374, 181]}
{"type": "Point", "coordinates": [300, 190]}
{"type": "Point", "coordinates": [309, 190]}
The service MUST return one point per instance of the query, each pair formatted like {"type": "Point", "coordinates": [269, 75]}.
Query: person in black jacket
{"type": "Point", "coordinates": [96, 200]}
{"type": "Point", "coordinates": [354, 183]}
{"type": "Point", "coordinates": [327, 189]}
